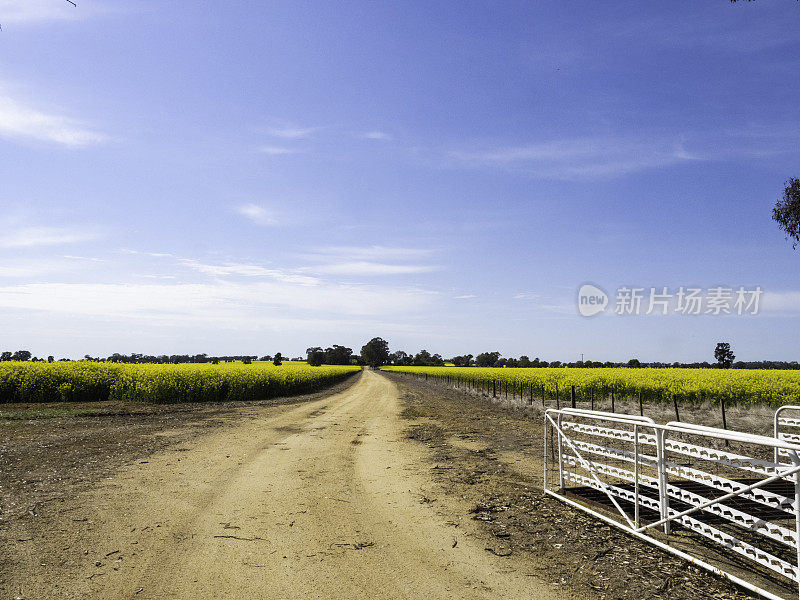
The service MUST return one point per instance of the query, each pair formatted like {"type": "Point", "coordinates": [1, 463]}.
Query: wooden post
{"type": "Point", "coordinates": [675, 402]}
{"type": "Point", "coordinates": [494, 388]}
{"type": "Point", "coordinates": [558, 402]}
{"type": "Point", "coordinates": [531, 391]}
{"type": "Point", "coordinates": [724, 421]}
{"type": "Point", "coordinates": [543, 402]}
{"type": "Point", "coordinates": [573, 396]}
{"type": "Point", "coordinates": [592, 398]}
{"type": "Point", "coordinates": [612, 401]}
{"type": "Point", "coordinates": [641, 406]}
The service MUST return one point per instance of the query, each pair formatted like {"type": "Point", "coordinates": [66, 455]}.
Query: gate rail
{"type": "Point", "coordinates": [654, 477]}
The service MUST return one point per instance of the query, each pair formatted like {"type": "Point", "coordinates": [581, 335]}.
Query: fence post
{"type": "Point", "coordinates": [494, 388]}
{"type": "Point", "coordinates": [663, 483]}
{"type": "Point", "coordinates": [592, 398]}
{"type": "Point", "coordinates": [558, 402]}
{"type": "Point", "coordinates": [675, 402]}
{"type": "Point", "coordinates": [573, 396]}
{"type": "Point", "coordinates": [724, 421]}
{"type": "Point", "coordinates": [612, 401]}
{"type": "Point", "coordinates": [641, 406]}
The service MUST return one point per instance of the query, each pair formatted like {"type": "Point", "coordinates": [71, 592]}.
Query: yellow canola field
{"type": "Point", "coordinates": [85, 381]}
{"type": "Point", "coordinates": [747, 386]}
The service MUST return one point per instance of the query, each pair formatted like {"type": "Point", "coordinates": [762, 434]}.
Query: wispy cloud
{"type": "Point", "coordinates": [368, 260]}
{"type": "Point", "coordinates": [372, 252]}
{"type": "Point", "coordinates": [277, 150]}
{"type": "Point", "coordinates": [28, 11]}
{"type": "Point", "coordinates": [28, 269]}
{"type": "Point", "coordinates": [247, 270]}
{"type": "Point", "coordinates": [292, 133]}
{"type": "Point", "coordinates": [376, 135]}
{"type": "Point", "coordinates": [257, 214]}
{"type": "Point", "coordinates": [20, 121]}
{"type": "Point", "coordinates": [237, 303]}
{"type": "Point", "coordinates": [44, 236]}
{"type": "Point", "coordinates": [585, 157]}
{"type": "Point", "coordinates": [788, 301]}
{"type": "Point", "coordinates": [371, 268]}
{"type": "Point", "coordinates": [465, 297]}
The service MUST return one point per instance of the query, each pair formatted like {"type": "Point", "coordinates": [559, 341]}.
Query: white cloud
{"type": "Point", "coordinates": [376, 135]}
{"type": "Point", "coordinates": [371, 252]}
{"type": "Point", "coordinates": [28, 11]}
{"type": "Point", "coordinates": [257, 214]}
{"type": "Point", "coordinates": [780, 301]}
{"type": "Point", "coordinates": [371, 268]}
{"type": "Point", "coordinates": [20, 121]}
{"type": "Point", "coordinates": [367, 260]}
{"type": "Point", "coordinates": [27, 269]}
{"type": "Point", "coordinates": [247, 270]}
{"type": "Point", "coordinates": [465, 297]}
{"type": "Point", "coordinates": [44, 236]}
{"type": "Point", "coordinates": [586, 157]}
{"type": "Point", "coordinates": [277, 150]}
{"type": "Point", "coordinates": [292, 133]}
{"type": "Point", "coordinates": [215, 302]}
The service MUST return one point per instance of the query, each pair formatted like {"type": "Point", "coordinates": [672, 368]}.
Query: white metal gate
{"type": "Point", "coordinates": [668, 483]}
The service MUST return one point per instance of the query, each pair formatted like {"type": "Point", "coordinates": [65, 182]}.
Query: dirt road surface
{"type": "Point", "coordinates": [325, 499]}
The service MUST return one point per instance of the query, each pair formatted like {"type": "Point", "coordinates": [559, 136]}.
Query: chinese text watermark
{"type": "Point", "coordinates": [717, 300]}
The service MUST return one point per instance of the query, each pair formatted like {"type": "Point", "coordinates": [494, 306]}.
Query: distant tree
{"type": "Point", "coordinates": [422, 358]}
{"type": "Point", "coordinates": [437, 360]}
{"type": "Point", "coordinates": [787, 211]}
{"type": "Point", "coordinates": [400, 358]}
{"type": "Point", "coordinates": [724, 355]}
{"type": "Point", "coordinates": [487, 359]}
{"type": "Point", "coordinates": [634, 363]}
{"type": "Point", "coordinates": [247, 360]}
{"type": "Point", "coordinates": [375, 352]}
{"type": "Point", "coordinates": [21, 355]}
{"type": "Point", "coordinates": [51, 359]}
{"type": "Point", "coordinates": [6, 356]}
{"type": "Point", "coordinates": [524, 362]}
{"type": "Point", "coordinates": [265, 358]}
{"type": "Point", "coordinates": [462, 361]}
{"type": "Point", "coordinates": [315, 356]}
{"type": "Point", "coordinates": [278, 360]}
{"type": "Point", "coordinates": [338, 355]}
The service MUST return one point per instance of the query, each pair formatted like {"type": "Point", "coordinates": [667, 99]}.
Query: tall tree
{"type": "Point", "coordinates": [724, 355]}
{"type": "Point", "coordinates": [487, 359]}
{"type": "Point", "coordinates": [278, 360]}
{"type": "Point", "coordinates": [787, 211]}
{"type": "Point", "coordinates": [375, 352]}
{"type": "Point", "coordinates": [315, 356]}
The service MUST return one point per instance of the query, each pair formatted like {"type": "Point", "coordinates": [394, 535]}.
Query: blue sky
{"type": "Point", "coordinates": [249, 177]}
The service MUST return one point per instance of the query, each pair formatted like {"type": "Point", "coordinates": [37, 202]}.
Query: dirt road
{"type": "Point", "coordinates": [318, 500]}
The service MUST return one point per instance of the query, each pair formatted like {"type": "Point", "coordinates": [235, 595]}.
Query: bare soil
{"type": "Point", "coordinates": [326, 498]}
{"type": "Point", "coordinates": [489, 452]}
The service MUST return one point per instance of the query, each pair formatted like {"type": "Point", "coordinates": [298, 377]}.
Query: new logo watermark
{"type": "Point", "coordinates": [683, 300]}
{"type": "Point", "coordinates": [591, 300]}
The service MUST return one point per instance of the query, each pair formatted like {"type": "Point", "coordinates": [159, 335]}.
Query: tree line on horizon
{"type": "Point", "coordinates": [376, 353]}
